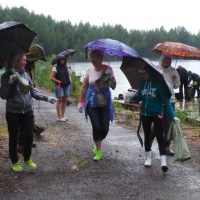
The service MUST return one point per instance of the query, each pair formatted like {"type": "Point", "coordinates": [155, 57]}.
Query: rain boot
{"type": "Point", "coordinates": [148, 159]}
{"type": "Point", "coordinates": [163, 163]}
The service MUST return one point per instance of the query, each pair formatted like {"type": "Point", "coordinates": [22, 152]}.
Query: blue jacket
{"type": "Point", "coordinates": [93, 102]}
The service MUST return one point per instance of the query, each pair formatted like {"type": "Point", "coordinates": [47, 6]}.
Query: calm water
{"type": "Point", "coordinates": [122, 82]}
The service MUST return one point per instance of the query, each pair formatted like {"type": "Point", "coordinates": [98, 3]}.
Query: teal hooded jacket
{"type": "Point", "coordinates": [153, 96]}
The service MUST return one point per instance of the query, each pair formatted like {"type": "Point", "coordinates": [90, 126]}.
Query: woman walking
{"type": "Point", "coordinates": [98, 101]}
{"type": "Point", "coordinates": [153, 95]}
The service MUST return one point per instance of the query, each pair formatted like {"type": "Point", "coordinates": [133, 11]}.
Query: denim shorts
{"type": "Point", "coordinates": [63, 91]}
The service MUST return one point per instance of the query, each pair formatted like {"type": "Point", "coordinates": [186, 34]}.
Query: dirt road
{"type": "Point", "coordinates": [66, 169]}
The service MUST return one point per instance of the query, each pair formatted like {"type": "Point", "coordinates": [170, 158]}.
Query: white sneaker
{"type": "Point", "coordinates": [66, 118]}
{"type": "Point", "coordinates": [62, 120]}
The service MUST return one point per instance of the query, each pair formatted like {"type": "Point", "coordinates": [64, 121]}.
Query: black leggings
{"type": "Point", "coordinates": [99, 117]}
{"type": "Point", "coordinates": [158, 130]}
{"type": "Point", "coordinates": [14, 120]}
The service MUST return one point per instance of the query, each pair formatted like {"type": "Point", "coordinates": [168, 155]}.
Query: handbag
{"type": "Point", "coordinates": [101, 100]}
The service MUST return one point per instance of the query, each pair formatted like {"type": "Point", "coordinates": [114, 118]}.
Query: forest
{"type": "Point", "coordinates": [57, 36]}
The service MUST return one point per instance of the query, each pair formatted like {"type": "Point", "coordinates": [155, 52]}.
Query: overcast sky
{"type": "Point", "coordinates": [131, 14]}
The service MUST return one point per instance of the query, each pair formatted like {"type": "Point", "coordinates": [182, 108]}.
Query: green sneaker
{"type": "Point", "coordinates": [98, 156]}
{"type": "Point", "coordinates": [95, 150]}
{"type": "Point", "coordinates": [17, 167]}
{"type": "Point", "coordinates": [30, 164]}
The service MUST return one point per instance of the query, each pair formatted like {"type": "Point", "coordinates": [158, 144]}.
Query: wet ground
{"type": "Point", "coordinates": [66, 169]}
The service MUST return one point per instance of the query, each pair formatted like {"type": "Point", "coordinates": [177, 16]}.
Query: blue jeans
{"type": "Point", "coordinates": [99, 117]}
{"type": "Point", "coordinates": [63, 91]}
{"type": "Point", "coordinates": [14, 121]}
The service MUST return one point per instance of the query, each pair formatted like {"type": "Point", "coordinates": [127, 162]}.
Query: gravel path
{"type": "Point", "coordinates": [66, 169]}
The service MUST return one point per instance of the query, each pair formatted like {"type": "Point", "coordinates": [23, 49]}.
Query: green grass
{"type": "Point", "coordinates": [79, 162]}
{"type": "Point", "coordinates": [3, 129]}
{"type": "Point", "coordinates": [188, 117]}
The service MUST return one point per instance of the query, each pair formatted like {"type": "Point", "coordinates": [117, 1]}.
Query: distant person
{"type": "Point", "coordinates": [69, 69]}
{"type": "Point", "coordinates": [184, 74]}
{"type": "Point", "coordinates": [173, 78]}
{"type": "Point", "coordinates": [98, 102]}
{"type": "Point", "coordinates": [19, 111]}
{"type": "Point", "coordinates": [60, 76]}
{"type": "Point", "coordinates": [195, 78]}
{"type": "Point", "coordinates": [152, 94]}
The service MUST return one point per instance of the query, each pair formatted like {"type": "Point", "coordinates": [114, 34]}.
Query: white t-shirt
{"type": "Point", "coordinates": [93, 75]}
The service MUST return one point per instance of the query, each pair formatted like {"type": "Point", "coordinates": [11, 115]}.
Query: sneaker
{"type": "Point", "coordinates": [62, 120]}
{"type": "Point", "coordinates": [66, 118]}
{"type": "Point", "coordinates": [30, 164]}
{"type": "Point", "coordinates": [169, 152]}
{"type": "Point", "coordinates": [98, 156]}
{"type": "Point", "coordinates": [95, 150]}
{"type": "Point", "coordinates": [17, 167]}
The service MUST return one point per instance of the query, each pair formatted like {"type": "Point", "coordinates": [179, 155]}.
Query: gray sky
{"type": "Point", "coordinates": [131, 14]}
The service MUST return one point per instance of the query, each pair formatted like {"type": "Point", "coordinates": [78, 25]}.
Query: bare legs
{"type": "Point", "coordinates": [61, 106]}
{"type": "Point", "coordinates": [98, 145]}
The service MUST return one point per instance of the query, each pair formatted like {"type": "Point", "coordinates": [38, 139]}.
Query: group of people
{"type": "Point", "coordinates": [96, 101]}
{"type": "Point", "coordinates": [95, 97]}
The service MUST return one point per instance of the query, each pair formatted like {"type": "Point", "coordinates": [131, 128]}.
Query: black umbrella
{"type": "Point", "coordinates": [64, 53]}
{"type": "Point", "coordinates": [14, 37]}
{"type": "Point", "coordinates": [138, 132]}
{"type": "Point", "coordinates": [131, 66]}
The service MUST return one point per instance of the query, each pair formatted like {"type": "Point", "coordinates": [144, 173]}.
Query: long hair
{"type": "Point", "coordinates": [14, 58]}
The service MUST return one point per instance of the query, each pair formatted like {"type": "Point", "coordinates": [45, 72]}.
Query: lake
{"type": "Point", "coordinates": [122, 82]}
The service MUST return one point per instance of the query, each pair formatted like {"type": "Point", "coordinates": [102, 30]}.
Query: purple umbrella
{"type": "Point", "coordinates": [111, 47]}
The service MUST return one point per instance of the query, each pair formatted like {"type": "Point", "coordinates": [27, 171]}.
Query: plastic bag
{"type": "Point", "coordinates": [181, 151]}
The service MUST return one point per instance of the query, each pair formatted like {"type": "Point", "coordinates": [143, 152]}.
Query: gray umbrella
{"type": "Point", "coordinates": [64, 53]}
{"type": "Point", "coordinates": [14, 37]}
{"type": "Point", "coordinates": [131, 66]}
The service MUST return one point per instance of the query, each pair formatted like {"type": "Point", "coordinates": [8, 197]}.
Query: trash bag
{"type": "Point", "coordinates": [181, 151]}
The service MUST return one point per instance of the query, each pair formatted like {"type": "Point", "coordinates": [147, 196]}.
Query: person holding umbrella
{"type": "Point", "coordinates": [67, 56]}
{"type": "Point", "coordinates": [60, 76]}
{"type": "Point", "coordinates": [35, 53]}
{"type": "Point", "coordinates": [19, 111]}
{"type": "Point", "coordinates": [98, 101]}
{"type": "Point", "coordinates": [153, 95]}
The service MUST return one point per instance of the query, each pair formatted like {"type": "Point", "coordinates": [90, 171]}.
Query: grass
{"type": "Point", "coordinates": [3, 129]}
{"type": "Point", "coordinates": [188, 117]}
{"type": "Point", "coordinates": [79, 162]}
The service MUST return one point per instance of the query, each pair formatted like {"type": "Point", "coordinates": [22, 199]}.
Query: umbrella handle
{"type": "Point", "coordinates": [86, 52]}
